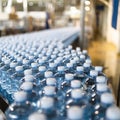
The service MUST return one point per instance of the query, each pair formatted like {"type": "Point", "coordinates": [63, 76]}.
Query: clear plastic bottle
{"type": "Point", "coordinates": [67, 82]}
{"type": "Point", "coordinates": [47, 74]}
{"type": "Point", "coordinates": [40, 75]}
{"type": "Point", "coordinates": [37, 116]}
{"type": "Point", "coordinates": [60, 76]}
{"type": "Point", "coordinates": [20, 109]}
{"type": "Point", "coordinates": [75, 84]}
{"type": "Point", "coordinates": [106, 101]}
{"type": "Point", "coordinates": [112, 113]}
{"type": "Point", "coordinates": [46, 106]}
{"type": "Point", "coordinates": [76, 113]}
{"type": "Point", "coordinates": [32, 96]}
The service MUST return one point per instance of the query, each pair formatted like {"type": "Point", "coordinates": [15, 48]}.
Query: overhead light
{"type": "Point", "coordinates": [87, 2]}
{"type": "Point", "coordinates": [87, 8]}
{"type": "Point", "coordinates": [19, 1]}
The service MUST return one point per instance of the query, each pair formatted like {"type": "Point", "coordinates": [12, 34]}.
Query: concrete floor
{"type": "Point", "coordinates": [105, 54]}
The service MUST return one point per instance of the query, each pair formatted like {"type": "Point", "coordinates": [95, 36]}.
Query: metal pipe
{"type": "Point", "coordinates": [82, 24]}
{"type": "Point", "coordinates": [25, 6]}
{"type": "Point", "coordinates": [0, 6]}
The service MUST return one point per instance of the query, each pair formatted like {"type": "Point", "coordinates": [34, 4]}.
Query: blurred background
{"type": "Point", "coordinates": [96, 19]}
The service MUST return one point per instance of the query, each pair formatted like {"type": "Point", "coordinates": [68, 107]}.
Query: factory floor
{"type": "Point", "coordinates": [105, 54]}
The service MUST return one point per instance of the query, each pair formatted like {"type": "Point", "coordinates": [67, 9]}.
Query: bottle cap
{"type": "Point", "coordinates": [70, 47]}
{"type": "Point", "coordinates": [84, 52]}
{"type": "Point", "coordinates": [86, 65]}
{"type": "Point", "coordinates": [19, 59]}
{"type": "Point", "coordinates": [28, 72]}
{"type": "Point", "coordinates": [75, 84]}
{"type": "Point", "coordinates": [48, 74]}
{"type": "Point", "coordinates": [78, 49]}
{"type": "Point", "coordinates": [113, 113]}
{"type": "Point", "coordinates": [53, 56]}
{"type": "Point", "coordinates": [102, 87]}
{"type": "Point", "coordinates": [49, 90]}
{"type": "Point", "coordinates": [33, 65]}
{"type": "Point", "coordinates": [69, 65]}
{"type": "Point", "coordinates": [100, 79]}
{"type": "Point", "coordinates": [80, 68]}
{"type": "Point", "coordinates": [25, 61]}
{"type": "Point", "coordinates": [107, 98]}
{"type": "Point", "coordinates": [82, 56]}
{"type": "Point", "coordinates": [52, 65]}
{"type": "Point", "coordinates": [77, 93]}
{"type": "Point", "coordinates": [41, 61]}
{"type": "Point", "coordinates": [27, 86]}
{"type": "Point", "coordinates": [19, 68]}
{"type": "Point", "coordinates": [7, 61]}
{"type": "Point", "coordinates": [99, 68]}
{"type": "Point", "coordinates": [75, 113]}
{"type": "Point", "coordinates": [61, 68]}
{"type": "Point", "coordinates": [60, 54]}
{"type": "Point", "coordinates": [69, 76]}
{"type": "Point", "coordinates": [76, 59]}
{"type": "Point", "coordinates": [88, 61]}
{"type": "Point", "coordinates": [29, 78]}
{"type": "Point", "coordinates": [42, 68]}
{"type": "Point", "coordinates": [47, 102]}
{"type": "Point", "coordinates": [93, 73]}
{"type": "Point", "coordinates": [13, 65]}
{"type": "Point", "coordinates": [31, 57]}
{"type": "Point", "coordinates": [20, 96]}
{"type": "Point", "coordinates": [72, 61]}
{"type": "Point", "coordinates": [51, 81]}
{"type": "Point", "coordinates": [37, 116]}
{"type": "Point", "coordinates": [44, 58]}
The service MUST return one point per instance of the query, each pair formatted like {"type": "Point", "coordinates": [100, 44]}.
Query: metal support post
{"type": "Point", "coordinates": [82, 24]}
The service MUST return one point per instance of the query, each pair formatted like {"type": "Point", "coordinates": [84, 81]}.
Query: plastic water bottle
{"type": "Point", "coordinates": [47, 74]}
{"type": "Point", "coordinates": [49, 91]}
{"type": "Point", "coordinates": [60, 76]}
{"type": "Point", "coordinates": [79, 74]}
{"type": "Point", "coordinates": [18, 73]}
{"type": "Point", "coordinates": [112, 113]}
{"type": "Point", "coordinates": [77, 113]}
{"type": "Point", "coordinates": [75, 84]}
{"type": "Point", "coordinates": [90, 82]}
{"type": "Point", "coordinates": [86, 68]}
{"type": "Point", "coordinates": [100, 89]}
{"type": "Point", "coordinates": [46, 106]}
{"type": "Point", "coordinates": [52, 67]}
{"type": "Point", "coordinates": [51, 82]}
{"type": "Point", "coordinates": [26, 64]}
{"type": "Point", "coordinates": [69, 68]}
{"type": "Point", "coordinates": [4, 68]}
{"type": "Point", "coordinates": [101, 80]}
{"type": "Point", "coordinates": [28, 72]}
{"type": "Point", "coordinates": [107, 100]}
{"type": "Point", "coordinates": [34, 67]}
{"type": "Point", "coordinates": [82, 59]}
{"type": "Point", "coordinates": [37, 116]}
{"type": "Point", "coordinates": [40, 75]}
{"type": "Point", "coordinates": [11, 71]}
{"type": "Point", "coordinates": [79, 98]}
{"type": "Point", "coordinates": [67, 82]}
{"type": "Point", "coordinates": [20, 109]}
{"type": "Point", "coordinates": [99, 69]}
{"type": "Point", "coordinates": [32, 96]}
